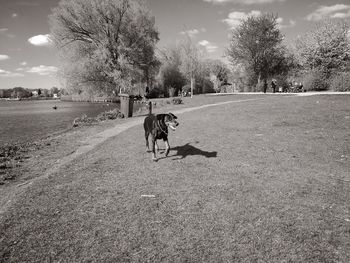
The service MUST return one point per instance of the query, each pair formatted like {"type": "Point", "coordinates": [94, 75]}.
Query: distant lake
{"type": "Point", "coordinates": [23, 121]}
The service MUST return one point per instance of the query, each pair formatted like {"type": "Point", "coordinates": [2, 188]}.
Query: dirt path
{"type": "Point", "coordinates": [238, 181]}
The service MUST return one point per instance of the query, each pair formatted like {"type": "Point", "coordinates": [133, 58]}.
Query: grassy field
{"type": "Point", "coordinates": [252, 181]}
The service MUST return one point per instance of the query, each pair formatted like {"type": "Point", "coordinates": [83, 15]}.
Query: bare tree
{"type": "Point", "coordinates": [190, 61]}
{"type": "Point", "coordinates": [104, 44]}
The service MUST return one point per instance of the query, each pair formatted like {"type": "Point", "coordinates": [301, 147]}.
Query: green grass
{"type": "Point", "coordinates": [255, 181]}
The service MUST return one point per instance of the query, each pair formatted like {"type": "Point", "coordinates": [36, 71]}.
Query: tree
{"type": "Point", "coordinates": [218, 73]}
{"type": "Point", "coordinates": [189, 61]}
{"type": "Point", "coordinates": [256, 44]}
{"type": "Point", "coordinates": [170, 75]}
{"type": "Point", "coordinates": [105, 45]}
{"type": "Point", "coordinates": [326, 48]}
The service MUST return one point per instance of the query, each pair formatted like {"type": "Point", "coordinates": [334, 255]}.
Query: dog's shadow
{"type": "Point", "coordinates": [189, 150]}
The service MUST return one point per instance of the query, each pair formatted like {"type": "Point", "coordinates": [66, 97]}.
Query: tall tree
{"type": "Point", "coordinates": [104, 44]}
{"type": "Point", "coordinates": [170, 74]}
{"type": "Point", "coordinates": [190, 61]}
{"type": "Point", "coordinates": [326, 47]}
{"type": "Point", "coordinates": [257, 44]}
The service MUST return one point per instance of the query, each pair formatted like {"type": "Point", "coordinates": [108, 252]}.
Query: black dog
{"type": "Point", "coordinates": [157, 126]}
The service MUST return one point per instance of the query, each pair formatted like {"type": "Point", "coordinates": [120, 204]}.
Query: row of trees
{"type": "Point", "coordinates": [320, 59]}
{"type": "Point", "coordinates": [20, 92]}
{"type": "Point", "coordinates": [109, 46]}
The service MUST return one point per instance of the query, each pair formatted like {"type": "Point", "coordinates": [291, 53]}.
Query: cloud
{"type": "Point", "coordinates": [210, 48]}
{"type": "Point", "coordinates": [4, 32]}
{"type": "Point", "coordinates": [193, 32]}
{"type": "Point", "coordinates": [334, 11]}
{"type": "Point", "coordinates": [289, 24]}
{"type": "Point", "coordinates": [43, 70]}
{"type": "Point", "coordinates": [40, 40]}
{"type": "Point", "coordinates": [9, 74]}
{"type": "Point", "coordinates": [235, 18]}
{"type": "Point", "coordinates": [4, 57]}
{"type": "Point", "coordinates": [246, 2]}
{"type": "Point", "coordinates": [24, 63]}
{"type": "Point", "coordinates": [14, 15]}
{"type": "Point", "coordinates": [24, 3]}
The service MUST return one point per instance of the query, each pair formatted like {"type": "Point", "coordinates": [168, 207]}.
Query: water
{"type": "Point", "coordinates": [25, 121]}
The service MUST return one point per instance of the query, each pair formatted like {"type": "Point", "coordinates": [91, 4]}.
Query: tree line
{"type": "Point", "coordinates": [20, 92]}
{"type": "Point", "coordinates": [110, 47]}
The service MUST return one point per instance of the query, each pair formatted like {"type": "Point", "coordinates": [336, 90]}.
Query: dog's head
{"type": "Point", "coordinates": [170, 121]}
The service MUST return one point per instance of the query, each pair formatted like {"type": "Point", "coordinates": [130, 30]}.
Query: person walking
{"type": "Point", "coordinates": [273, 85]}
{"type": "Point", "coordinates": [265, 86]}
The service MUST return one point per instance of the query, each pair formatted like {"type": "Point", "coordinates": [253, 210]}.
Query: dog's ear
{"type": "Point", "coordinates": [172, 115]}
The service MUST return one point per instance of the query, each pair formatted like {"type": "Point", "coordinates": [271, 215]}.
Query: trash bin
{"type": "Point", "coordinates": [126, 104]}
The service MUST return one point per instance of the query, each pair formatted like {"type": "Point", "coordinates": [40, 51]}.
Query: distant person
{"type": "Point", "coordinates": [265, 86]}
{"type": "Point", "coordinates": [147, 92]}
{"type": "Point", "coordinates": [273, 85]}
{"type": "Point", "coordinates": [301, 87]}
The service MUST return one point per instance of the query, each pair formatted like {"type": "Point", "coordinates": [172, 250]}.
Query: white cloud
{"type": "Point", "coordinates": [235, 18]}
{"type": "Point", "coordinates": [210, 47]}
{"type": "Point", "coordinates": [9, 74]}
{"type": "Point", "coordinates": [14, 15]}
{"type": "Point", "coordinates": [4, 57]}
{"type": "Point", "coordinates": [40, 40]}
{"type": "Point", "coordinates": [282, 24]}
{"type": "Point", "coordinates": [4, 32]}
{"type": "Point", "coordinates": [193, 32]}
{"type": "Point", "coordinates": [43, 70]}
{"type": "Point", "coordinates": [246, 2]}
{"type": "Point", "coordinates": [334, 11]}
{"type": "Point", "coordinates": [24, 63]}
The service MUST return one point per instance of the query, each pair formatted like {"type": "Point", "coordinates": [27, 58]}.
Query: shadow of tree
{"type": "Point", "coordinates": [187, 150]}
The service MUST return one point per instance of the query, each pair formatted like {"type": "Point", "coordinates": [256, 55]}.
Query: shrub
{"type": "Point", "coordinates": [110, 115]}
{"type": "Point", "coordinates": [259, 87]}
{"type": "Point", "coordinates": [155, 92]}
{"type": "Point", "coordinates": [177, 101]}
{"type": "Point", "coordinates": [84, 120]}
{"type": "Point", "coordinates": [186, 89]}
{"type": "Point", "coordinates": [282, 81]}
{"type": "Point", "coordinates": [316, 80]}
{"type": "Point", "coordinates": [171, 92]}
{"type": "Point", "coordinates": [340, 82]}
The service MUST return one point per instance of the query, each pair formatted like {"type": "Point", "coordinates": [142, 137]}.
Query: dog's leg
{"type": "Point", "coordinates": [167, 146]}
{"type": "Point", "coordinates": [156, 146]}
{"type": "Point", "coordinates": [154, 157]}
{"type": "Point", "coordinates": [146, 136]}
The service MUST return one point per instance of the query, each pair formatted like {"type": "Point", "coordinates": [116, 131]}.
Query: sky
{"type": "Point", "coordinates": [28, 59]}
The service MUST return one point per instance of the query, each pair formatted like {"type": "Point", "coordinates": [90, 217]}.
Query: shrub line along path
{"type": "Point", "coordinates": [261, 178]}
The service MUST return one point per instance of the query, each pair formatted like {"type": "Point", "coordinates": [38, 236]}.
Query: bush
{"type": "Point", "coordinates": [282, 81]}
{"type": "Point", "coordinates": [84, 120]}
{"type": "Point", "coordinates": [316, 80]}
{"type": "Point", "coordinates": [171, 92]}
{"type": "Point", "coordinates": [110, 115]}
{"type": "Point", "coordinates": [177, 101]}
{"type": "Point", "coordinates": [155, 92]}
{"type": "Point", "coordinates": [259, 87]}
{"type": "Point", "coordinates": [340, 82]}
{"type": "Point", "coordinates": [186, 89]}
